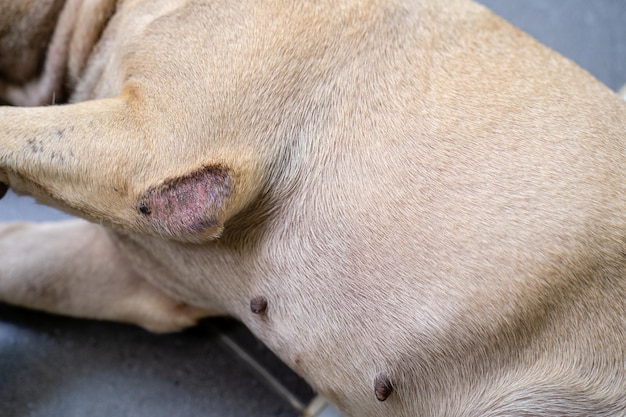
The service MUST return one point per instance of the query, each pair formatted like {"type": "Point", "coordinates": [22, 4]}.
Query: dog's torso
{"type": "Point", "coordinates": [438, 209]}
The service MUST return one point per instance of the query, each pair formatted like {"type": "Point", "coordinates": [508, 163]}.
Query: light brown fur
{"type": "Point", "coordinates": [427, 198]}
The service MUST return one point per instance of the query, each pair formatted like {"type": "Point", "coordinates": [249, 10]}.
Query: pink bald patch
{"type": "Point", "coordinates": [189, 205]}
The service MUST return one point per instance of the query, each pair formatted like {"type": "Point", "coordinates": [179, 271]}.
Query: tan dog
{"type": "Point", "coordinates": [417, 207]}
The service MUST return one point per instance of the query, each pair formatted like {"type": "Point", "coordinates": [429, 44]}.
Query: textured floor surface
{"type": "Point", "coordinates": [53, 366]}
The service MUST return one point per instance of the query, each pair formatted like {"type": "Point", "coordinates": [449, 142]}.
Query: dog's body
{"type": "Point", "coordinates": [408, 201]}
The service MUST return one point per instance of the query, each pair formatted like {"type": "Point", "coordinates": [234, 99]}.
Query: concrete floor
{"type": "Point", "coordinates": [54, 366]}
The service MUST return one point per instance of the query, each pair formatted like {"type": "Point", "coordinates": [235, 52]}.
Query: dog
{"type": "Point", "coordinates": [416, 206]}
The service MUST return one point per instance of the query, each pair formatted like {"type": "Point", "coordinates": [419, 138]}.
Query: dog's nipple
{"type": "Point", "coordinates": [258, 305]}
{"type": "Point", "coordinates": [382, 387]}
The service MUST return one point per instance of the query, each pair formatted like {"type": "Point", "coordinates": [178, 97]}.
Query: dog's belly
{"type": "Point", "coordinates": [481, 310]}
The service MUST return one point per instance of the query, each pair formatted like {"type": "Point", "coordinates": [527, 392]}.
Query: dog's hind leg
{"type": "Point", "coordinates": [110, 161]}
{"type": "Point", "coordinates": [76, 268]}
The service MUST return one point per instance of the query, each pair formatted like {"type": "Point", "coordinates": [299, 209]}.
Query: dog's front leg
{"type": "Point", "coordinates": [104, 160]}
{"type": "Point", "coordinates": [73, 157]}
{"type": "Point", "coordinates": [76, 268]}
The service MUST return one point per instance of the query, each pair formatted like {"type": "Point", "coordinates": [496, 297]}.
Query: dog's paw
{"type": "Point", "coordinates": [175, 318]}
{"type": "Point", "coordinates": [156, 312]}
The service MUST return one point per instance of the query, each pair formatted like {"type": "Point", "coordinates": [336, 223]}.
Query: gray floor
{"type": "Point", "coordinates": [53, 366]}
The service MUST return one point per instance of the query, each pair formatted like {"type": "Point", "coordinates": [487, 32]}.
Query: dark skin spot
{"type": "Point", "coordinates": [57, 158]}
{"type": "Point", "coordinates": [258, 305]}
{"type": "Point", "coordinates": [144, 209]}
{"type": "Point", "coordinates": [35, 145]}
{"type": "Point", "coordinates": [382, 387]}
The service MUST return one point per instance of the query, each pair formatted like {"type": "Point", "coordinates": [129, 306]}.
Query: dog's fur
{"type": "Point", "coordinates": [408, 201]}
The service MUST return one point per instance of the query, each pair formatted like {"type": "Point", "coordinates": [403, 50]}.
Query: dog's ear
{"type": "Point", "coordinates": [189, 207]}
